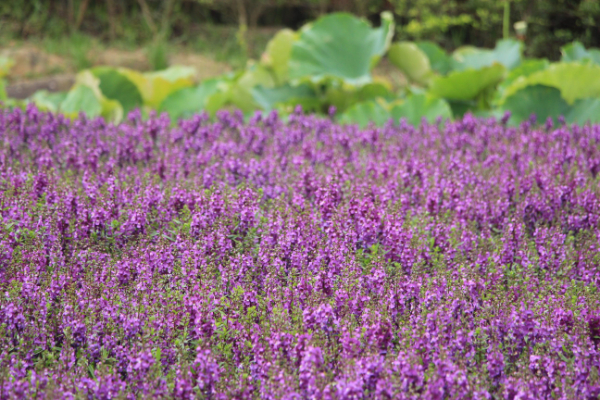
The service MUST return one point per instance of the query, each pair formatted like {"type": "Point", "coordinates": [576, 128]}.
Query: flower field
{"type": "Point", "coordinates": [297, 260]}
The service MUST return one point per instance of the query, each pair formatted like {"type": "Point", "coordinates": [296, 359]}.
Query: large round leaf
{"type": "Point", "coordinates": [508, 52]}
{"type": "Point", "coordinates": [466, 85]}
{"type": "Point", "coordinates": [574, 80]}
{"type": "Point", "coordinates": [343, 96]}
{"type": "Point", "coordinates": [577, 52]}
{"type": "Point", "coordinates": [365, 113]}
{"type": "Point", "coordinates": [543, 101]}
{"type": "Point", "coordinates": [278, 52]}
{"type": "Point", "coordinates": [527, 68]}
{"type": "Point", "coordinates": [188, 101]}
{"type": "Point", "coordinates": [411, 60]}
{"type": "Point", "coordinates": [81, 98]}
{"type": "Point", "coordinates": [421, 106]}
{"type": "Point", "coordinates": [240, 94]}
{"type": "Point", "coordinates": [339, 46]}
{"type": "Point", "coordinates": [48, 101]}
{"type": "Point", "coordinates": [85, 96]}
{"type": "Point", "coordinates": [269, 98]}
{"type": "Point", "coordinates": [117, 86]}
{"type": "Point", "coordinates": [585, 110]}
{"type": "Point", "coordinates": [156, 86]}
{"type": "Point", "coordinates": [439, 60]}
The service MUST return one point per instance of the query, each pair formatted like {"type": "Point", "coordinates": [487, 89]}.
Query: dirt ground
{"type": "Point", "coordinates": [35, 69]}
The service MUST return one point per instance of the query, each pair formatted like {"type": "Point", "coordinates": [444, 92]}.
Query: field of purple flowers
{"type": "Point", "coordinates": [298, 259]}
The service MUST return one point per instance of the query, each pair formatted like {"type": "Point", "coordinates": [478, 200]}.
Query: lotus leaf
{"type": "Point", "coordinates": [439, 60]}
{"type": "Point", "coordinates": [468, 84]}
{"type": "Point", "coordinates": [116, 86]}
{"type": "Point", "coordinates": [417, 107]}
{"type": "Point", "coordinates": [187, 101]}
{"type": "Point", "coordinates": [339, 46]}
{"type": "Point", "coordinates": [543, 101]}
{"type": "Point", "coordinates": [412, 61]}
{"type": "Point", "coordinates": [577, 52]}
{"type": "Point", "coordinates": [574, 80]}
{"type": "Point", "coordinates": [86, 97]}
{"type": "Point", "coordinates": [508, 52]}
{"type": "Point", "coordinates": [365, 113]}
{"type": "Point", "coordinates": [278, 52]}
{"type": "Point", "coordinates": [585, 110]}
{"type": "Point", "coordinates": [48, 101]}
{"type": "Point", "coordinates": [156, 86]}
{"type": "Point", "coordinates": [269, 98]}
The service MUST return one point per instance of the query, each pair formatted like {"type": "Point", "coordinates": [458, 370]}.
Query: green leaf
{"type": "Point", "coordinates": [577, 52]}
{"type": "Point", "coordinates": [439, 60]}
{"type": "Point", "coordinates": [156, 86]}
{"type": "Point", "coordinates": [269, 98]}
{"type": "Point", "coordinates": [188, 101]}
{"type": "Point", "coordinates": [343, 96]}
{"type": "Point", "coordinates": [365, 113]}
{"type": "Point", "coordinates": [574, 80]}
{"type": "Point", "coordinates": [340, 46]}
{"type": "Point", "coordinates": [85, 96]}
{"type": "Point", "coordinates": [240, 94]}
{"type": "Point", "coordinates": [117, 86]}
{"type": "Point", "coordinates": [421, 106]}
{"type": "Point", "coordinates": [527, 68]}
{"type": "Point", "coordinates": [466, 85]}
{"type": "Point", "coordinates": [81, 98]}
{"type": "Point", "coordinates": [543, 101]}
{"type": "Point", "coordinates": [278, 52]}
{"type": "Point", "coordinates": [584, 110]}
{"type": "Point", "coordinates": [507, 52]}
{"type": "Point", "coordinates": [412, 61]}
{"type": "Point", "coordinates": [48, 101]}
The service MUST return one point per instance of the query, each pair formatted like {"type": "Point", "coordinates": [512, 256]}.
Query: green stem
{"type": "Point", "coordinates": [506, 20]}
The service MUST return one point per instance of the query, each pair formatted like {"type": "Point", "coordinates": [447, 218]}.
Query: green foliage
{"type": "Point", "coordinates": [115, 86]}
{"type": "Point", "coordinates": [439, 60]}
{"type": "Point", "coordinates": [574, 80]}
{"type": "Point", "coordinates": [412, 61]}
{"type": "Point", "coordinates": [585, 110]}
{"type": "Point", "coordinates": [467, 84]}
{"type": "Point", "coordinates": [278, 53]}
{"type": "Point", "coordinates": [577, 52]}
{"type": "Point", "coordinates": [339, 46]}
{"type": "Point", "coordinates": [543, 101]}
{"type": "Point", "coordinates": [187, 101]}
{"type": "Point", "coordinates": [329, 63]}
{"type": "Point", "coordinates": [365, 113]}
{"type": "Point", "coordinates": [86, 97]}
{"type": "Point", "coordinates": [508, 52]}
{"type": "Point", "coordinates": [420, 106]}
{"type": "Point", "coordinates": [278, 98]}
{"type": "Point", "coordinates": [158, 55]}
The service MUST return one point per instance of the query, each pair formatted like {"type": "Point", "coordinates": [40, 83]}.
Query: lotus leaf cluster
{"type": "Point", "coordinates": [329, 63]}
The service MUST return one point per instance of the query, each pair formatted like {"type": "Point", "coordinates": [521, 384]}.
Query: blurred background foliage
{"type": "Point", "coordinates": [234, 30]}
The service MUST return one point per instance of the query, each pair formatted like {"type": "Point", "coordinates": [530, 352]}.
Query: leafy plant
{"type": "Point", "coordinates": [339, 46]}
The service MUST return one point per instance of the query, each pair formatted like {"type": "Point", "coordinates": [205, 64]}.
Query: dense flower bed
{"type": "Point", "coordinates": [297, 260]}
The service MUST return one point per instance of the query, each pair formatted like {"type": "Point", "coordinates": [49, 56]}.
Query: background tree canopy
{"type": "Point", "coordinates": [452, 23]}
